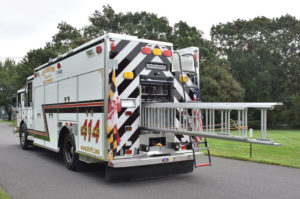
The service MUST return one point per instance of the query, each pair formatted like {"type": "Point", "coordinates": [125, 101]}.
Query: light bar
{"type": "Point", "coordinates": [146, 50]}
{"type": "Point", "coordinates": [167, 53]}
{"type": "Point", "coordinates": [157, 51]}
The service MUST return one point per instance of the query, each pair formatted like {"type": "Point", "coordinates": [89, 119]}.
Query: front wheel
{"type": "Point", "coordinates": [71, 159]}
{"type": "Point", "coordinates": [24, 137]}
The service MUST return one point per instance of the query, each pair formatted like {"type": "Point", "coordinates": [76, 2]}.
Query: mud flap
{"type": "Point", "coordinates": [148, 171]}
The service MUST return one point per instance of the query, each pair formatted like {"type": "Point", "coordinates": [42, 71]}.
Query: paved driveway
{"type": "Point", "coordinates": [39, 174]}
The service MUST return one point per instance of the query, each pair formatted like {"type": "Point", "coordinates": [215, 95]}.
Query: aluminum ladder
{"type": "Point", "coordinates": [199, 119]}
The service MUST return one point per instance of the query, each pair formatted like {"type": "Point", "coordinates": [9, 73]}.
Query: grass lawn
{"type": "Point", "coordinates": [286, 155]}
{"type": "Point", "coordinates": [10, 123]}
{"type": "Point", "coordinates": [3, 195]}
{"type": "Point", "coordinates": [5, 121]}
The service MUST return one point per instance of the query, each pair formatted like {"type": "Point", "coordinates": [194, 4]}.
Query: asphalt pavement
{"type": "Point", "coordinates": [41, 174]}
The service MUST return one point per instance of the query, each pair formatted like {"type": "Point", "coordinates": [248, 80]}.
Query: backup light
{"type": "Point", "coordinates": [146, 50]}
{"type": "Point", "coordinates": [157, 51]}
{"type": "Point", "coordinates": [175, 146]}
{"type": "Point", "coordinates": [144, 147]}
{"type": "Point", "coordinates": [128, 75]}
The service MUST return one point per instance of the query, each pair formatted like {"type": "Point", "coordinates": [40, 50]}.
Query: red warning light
{"type": "Point", "coordinates": [113, 46]}
{"type": "Point", "coordinates": [146, 50]}
{"type": "Point", "coordinates": [98, 49]}
{"type": "Point", "coordinates": [167, 53]}
{"type": "Point", "coordinates": [195, 56]}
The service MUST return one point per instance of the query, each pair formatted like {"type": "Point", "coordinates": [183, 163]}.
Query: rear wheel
{"type": "Point", "coordinates": [24, 137]}
{"type": "Point", "coordinates": [71, 159]}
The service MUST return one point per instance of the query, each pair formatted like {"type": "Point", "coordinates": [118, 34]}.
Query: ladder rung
{"type": "Point", "coordinates": [203, 148]}
{"type": "Point", "coordinates": [203, 165]}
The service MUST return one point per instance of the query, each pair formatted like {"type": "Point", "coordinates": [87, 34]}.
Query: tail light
{"type": "Point", "coordinates": [128, 113]}
{"type": "Point", "coordinates": [58, 65]}
{"type": "Point", "coordinates": [128, 152]}
{"type": "Point", "coordinates": [183, 147]}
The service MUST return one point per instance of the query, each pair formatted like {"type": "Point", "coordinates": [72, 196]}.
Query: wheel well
{"type": "Point", "coordinates": [63, 133]}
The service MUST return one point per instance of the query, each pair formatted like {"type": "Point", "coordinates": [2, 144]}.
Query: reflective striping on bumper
{"type": "Point", "coordinates": [132, 162]}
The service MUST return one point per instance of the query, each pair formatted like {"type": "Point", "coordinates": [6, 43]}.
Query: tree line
{"type": "Point", "coordinates": [255, 60]}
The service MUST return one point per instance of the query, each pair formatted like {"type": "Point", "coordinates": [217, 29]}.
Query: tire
{"type": "Point", "coordinates": [71, 159]}
{"type": "Point", "coordinates": [24, 142]}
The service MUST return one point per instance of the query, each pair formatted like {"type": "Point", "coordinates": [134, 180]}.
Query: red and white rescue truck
{"type": "Point", "coordinates": [131, 103]}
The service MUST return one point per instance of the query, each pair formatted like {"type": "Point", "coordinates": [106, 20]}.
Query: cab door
{"type": "Point", "coordinates": [28, 115]}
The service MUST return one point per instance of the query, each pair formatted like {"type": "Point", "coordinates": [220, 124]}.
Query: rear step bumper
{"type": "Point", "coordinates": [141, 161]}
{"type": "Point", "coordinates": [148, 171]}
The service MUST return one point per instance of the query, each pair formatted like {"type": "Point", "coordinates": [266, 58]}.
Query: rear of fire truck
{"type": "Point", "coordinates": [162, 125]}
{"type": "Point", "coordinates": [151, 72]}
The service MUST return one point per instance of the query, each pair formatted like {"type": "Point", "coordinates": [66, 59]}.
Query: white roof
{"type": "Point", "coordinates": [108, 35]}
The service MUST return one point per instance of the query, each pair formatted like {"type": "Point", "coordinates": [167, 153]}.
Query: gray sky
{"type": "Point", "coordinates": [29, 24]}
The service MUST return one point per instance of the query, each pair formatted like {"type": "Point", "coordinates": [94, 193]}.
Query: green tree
{"type": "Point", "coordinates": [264, 56]}
{"type": "Point", "coordinates": [218, 85]}
{"type": "Point", "coordinates": [150, 26]}
{"type": "Point", "coordinates": [141, 24]}
{"type": "Point", "coordinates": [8, 87]}
{"type": "Point", "coordinates": [66, 38]}
{"type": "Point", "coordinates": [32, 60]}
{"type": "Point", "coordinates": [66, 35]}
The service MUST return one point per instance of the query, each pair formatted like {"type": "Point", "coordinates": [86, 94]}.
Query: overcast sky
{"type": "Point", "coordinates": [29, 24]}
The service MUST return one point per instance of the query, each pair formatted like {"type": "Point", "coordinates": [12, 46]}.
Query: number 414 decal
{"type": "Point", "coordinates": [86, 130]}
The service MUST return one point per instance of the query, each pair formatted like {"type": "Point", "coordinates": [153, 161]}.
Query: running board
{"type": "Point", "coordinates": [199, 119]}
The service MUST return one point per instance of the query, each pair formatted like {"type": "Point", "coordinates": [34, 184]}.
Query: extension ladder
{"type": "Point", "coordinates": [199, 119]}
